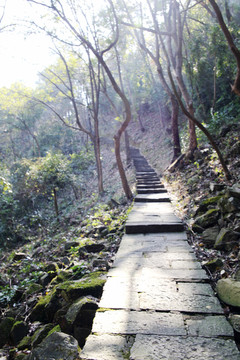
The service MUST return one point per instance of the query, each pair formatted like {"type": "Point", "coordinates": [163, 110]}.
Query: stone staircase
{"type": "Point", "coordinates": [157, 303]}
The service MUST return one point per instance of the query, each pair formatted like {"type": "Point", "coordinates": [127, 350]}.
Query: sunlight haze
{"type": "Point", "coordinates": [22, 56]}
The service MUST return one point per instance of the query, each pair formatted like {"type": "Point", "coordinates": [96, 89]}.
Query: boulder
{"type": "Point", "coordinates": [93, 248]}
{"type": "Point", "coordinates": [214, 264]}
{"type": "Point", "coordinates": [18, 332]}
{"type": "Point", "coordinates": [234, 191]}
{"type": "Point", "coordinates": [57, 346]}
{"type": "Point", "coordinates": [79, 318]}
{"type": "Point", "coordinates": [228, 291]}
{"type": "Point", "coordinates": [214, 187]}
{"type": "Point", "coordinates": [234, 320]}
{"type": "Point", "coordinates": [226, 239]}
{"type": "Point", "coordinates": [90, 284]}
{"type": "Point", "coordinates": [40, 334]}
{"type": "Point", "coordinates": [19, 256]}
{"type": "Point", "coordinates": [71, 244]}
{"type": "Point", "coordinates": [5, 330]}
{"type": "Point", "coordinates": [229, 204]}
{"type": "Point", "coordinates": [209, 236]}
{"type": "Point", "coordinates": [25, 343]}
{"type": "Point", "coordinates": [46, 278]}
{"type": "Point", "coordinates": [208, 219]}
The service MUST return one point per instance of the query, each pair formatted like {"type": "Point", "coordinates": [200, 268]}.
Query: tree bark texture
{"type": "Point", "coordinates": [230, 41]}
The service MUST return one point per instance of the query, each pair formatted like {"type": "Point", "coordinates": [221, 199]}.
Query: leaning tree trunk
{"type": "Point", "coordinates": [201, 127]}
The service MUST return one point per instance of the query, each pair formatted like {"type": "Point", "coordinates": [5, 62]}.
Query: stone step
{"type": "Point", "coordinates": [150, 186]}
{"type": "Point", "coordinates": [151, 191]}
{"type": "Point", "coordinates": [149, 178]}
{"type": "Point", "coordinates": [138, 228]}
{"type": "Point", "coordinates": [148, 182]}
{"type": "Point", "coordinates": [146, 173]}
{"type": "Point", "coordinates": [152, 198]}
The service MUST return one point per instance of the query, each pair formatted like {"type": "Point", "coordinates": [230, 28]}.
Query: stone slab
{"type": "Point", "coordinates": [168, 263]}
{"type": "Point", "coordinates": [166, 237]}
{"type": "Point", "coordinates": [135, 322]}
{"type": "Point", "coordinates": [209, 326]}
{"type": "Point", "coordinates": [174, 274]}
{"type": "Point", "coordinates": [168, 301]}
{"type": "Point", "coordinates": [195, 289]}
{"type": "Point", "coordinates": [182, 348]}
{"type": "Point", "coordinates": [153, 209]}
{"type": "Point", "coordinates": [106, 347]}
{"type": "Point", "coordinates": [135, 248]}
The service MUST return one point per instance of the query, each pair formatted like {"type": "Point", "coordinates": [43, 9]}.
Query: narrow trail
{"type": "Point", "coordinates": [157, 303]}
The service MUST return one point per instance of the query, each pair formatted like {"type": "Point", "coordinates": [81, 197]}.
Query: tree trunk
{"type": "Point", "coordinates": [192, 131]}
{"type": "Point", "coordinates": [175, 132]}
{"type": "Point", "coordinates": [97, 153]}
{"type": "Point", "coordinates": [122, 173]}
{"type": "Point", "coordinates": [201, 127]}
{"type": "Point", "coordinates": [127, 147]}
{"type": "Point", "coordinates": [230, 41]}
{"type": "Point", "coordinates": [56, 203]}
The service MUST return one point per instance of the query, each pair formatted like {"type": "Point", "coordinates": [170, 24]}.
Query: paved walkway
{"type": "Point", "coordinates": [157, 303]}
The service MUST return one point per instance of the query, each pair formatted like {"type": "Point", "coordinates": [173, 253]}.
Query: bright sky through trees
{"type": "Point", "coordinates": [22, 56]}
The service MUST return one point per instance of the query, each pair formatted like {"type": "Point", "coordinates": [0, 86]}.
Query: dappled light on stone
{"type": "Point", "coordinates": [157, 303]}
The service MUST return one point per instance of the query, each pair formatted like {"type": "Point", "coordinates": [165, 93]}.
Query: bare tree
{"type": "Point", "coordinates": [155, 57]}
{"type": "Point", "coordinates": [91, 43]}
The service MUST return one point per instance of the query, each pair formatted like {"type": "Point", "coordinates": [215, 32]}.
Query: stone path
{"type": "Point", "coordinates": [157, 303]}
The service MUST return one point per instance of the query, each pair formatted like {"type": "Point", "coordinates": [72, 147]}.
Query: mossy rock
{"type": "Point", "coordinates": [208, 219]}
{"type": "Point", "coordinates": [63, 275]}
{"type": "Point", "coordinates": [214, 264]}
{"type": "Point", "coordinates": [40, 334]}
{"type": "Point", "coordinates": [39, 310]}
{"type": "Point", "coordinates": [56, 346]}
{"type": "Point", "coordinates": [25, 343]}
{"type": "Point", "coordinates": [229, 204]}
{"type": "Point", "coordinates": [91, 284]}
{"type": "Point", "coordinates": [226, 239]}
{"type": "Point", "coordinates": [209, 236]}
{"type": "Point", "coordinates": [18, 332]}
{"type": "Point", "coordinates": [33, 288]}
{"type": "Point", "coordinates": [81, 312]}
{"type": "Point", "coordinates": [53, 267]}
{"type": "Point", "coordinates": [205, 204]}
{"type": "Point", "coordinates": [5, 330]}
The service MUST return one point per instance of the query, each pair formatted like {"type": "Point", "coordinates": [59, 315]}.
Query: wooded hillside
{"type": "Point", "coordinates": [159, 75]}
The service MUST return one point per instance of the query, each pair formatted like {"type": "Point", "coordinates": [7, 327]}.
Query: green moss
{"type": "Point", "coordinates": [61, 277]}
{"type": "Point", "coordinates": [55, 329]}
{"type": "Point", "coordinates": [212, 200]}
{"type": "Point", "coordinates": [25, 343]}
{"type": "Point", "coordinates": [40, 334]}
{"type": "Point", "coordinates": [90, 284]}
{"type": "Point", "coordinates": [38, 312]}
